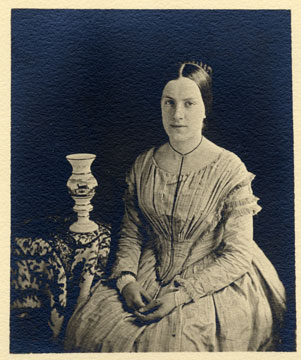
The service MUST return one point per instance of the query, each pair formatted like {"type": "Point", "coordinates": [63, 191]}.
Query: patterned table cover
{"type": "Point", "coordinates": [57, 272]}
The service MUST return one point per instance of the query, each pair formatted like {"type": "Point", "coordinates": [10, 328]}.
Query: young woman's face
{"type": "Point", "coordinates": [183, 109]}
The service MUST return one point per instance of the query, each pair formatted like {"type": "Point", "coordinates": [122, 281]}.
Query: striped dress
{"type": "Point", "coordinates": [199, 244]}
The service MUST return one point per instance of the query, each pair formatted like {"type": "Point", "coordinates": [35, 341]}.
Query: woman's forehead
{"type": "Point", "coordinates": [181, 88]}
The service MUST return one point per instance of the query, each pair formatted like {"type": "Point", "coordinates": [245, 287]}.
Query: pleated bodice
{"type": "Point", "coordinates": [181, 228]}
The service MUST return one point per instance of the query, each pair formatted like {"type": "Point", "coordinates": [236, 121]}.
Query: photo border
{"type": "Point", "coordinates": [5, 91]}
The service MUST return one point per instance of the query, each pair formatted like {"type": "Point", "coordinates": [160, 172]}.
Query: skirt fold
{"type": "Point", "coordinates": [240, 317]}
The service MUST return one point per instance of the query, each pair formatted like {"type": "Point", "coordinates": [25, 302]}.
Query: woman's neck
{"type": "Point", "coordinates": [185, 147]}
{"type": "Point", "coordinates": [168, 160]}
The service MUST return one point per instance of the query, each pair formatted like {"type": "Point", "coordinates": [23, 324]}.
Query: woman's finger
{"type": "Point", "coordinates": [156, 315]}
{"type": "Point", "coordinates": [140, 316]}
{"type": "Point", "coordinates": [138, 302]}
{"type": "Point", "coordinates": [150, 306]}
{"type": "Point", "coordinates": [146, 296]}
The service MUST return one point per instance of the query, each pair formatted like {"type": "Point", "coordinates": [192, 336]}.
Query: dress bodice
{"type": "Point", "coordinates": [181, 229]}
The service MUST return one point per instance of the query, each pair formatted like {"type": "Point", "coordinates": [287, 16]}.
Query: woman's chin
{"type": "Point", "coordinates": [177, 136]}
{"type": "Point", "coordinates": [183, 138]}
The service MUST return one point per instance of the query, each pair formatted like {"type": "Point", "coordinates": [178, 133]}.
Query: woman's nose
{"type": "Point", "coordinates": [179, 112]}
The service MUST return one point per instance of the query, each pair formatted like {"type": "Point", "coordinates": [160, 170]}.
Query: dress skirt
{"type": "Point", "coordinates": [243, 316]}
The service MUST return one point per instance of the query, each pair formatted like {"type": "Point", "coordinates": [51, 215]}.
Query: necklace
{"type": "Point", "coordinates": [174, 205]}
{"type": "Point", "coordinates": [189, 152]}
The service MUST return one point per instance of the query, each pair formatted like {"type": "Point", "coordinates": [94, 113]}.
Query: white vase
{"type": "Point", "coordinates": [81, 186]}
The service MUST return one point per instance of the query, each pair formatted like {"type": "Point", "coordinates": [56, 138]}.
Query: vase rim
{"type": "Point", "coordinates": [81, 156]}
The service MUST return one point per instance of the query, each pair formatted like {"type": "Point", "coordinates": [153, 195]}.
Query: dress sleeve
{"type": "Point", "coordinates": [131, 237]}
{"type": "Point", "coordinates": [233, 257]}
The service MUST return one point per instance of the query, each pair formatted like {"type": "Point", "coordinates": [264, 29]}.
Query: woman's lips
{"type": "Point", "coordinates": [178, 126]}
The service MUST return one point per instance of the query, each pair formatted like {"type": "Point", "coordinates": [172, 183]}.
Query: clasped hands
{"type": "Point", "coordinates": [146, 309]}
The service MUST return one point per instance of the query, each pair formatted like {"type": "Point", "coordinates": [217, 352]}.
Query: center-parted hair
{"type": "Point", "coordinates": [201, 74]}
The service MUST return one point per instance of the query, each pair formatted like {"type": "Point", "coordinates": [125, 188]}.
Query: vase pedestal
{"type": "Point", "coordinates": [81, 186]}
{"type": "Point", "coordinates": [83, 224]}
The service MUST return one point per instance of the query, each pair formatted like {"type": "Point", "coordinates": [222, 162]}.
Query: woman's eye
{"type": "Point", "coordinates": [169, 102]}
{"type": "Point", "coordinates": [189, 103]}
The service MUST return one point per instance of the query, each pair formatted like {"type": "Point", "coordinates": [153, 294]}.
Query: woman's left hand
{"type": "Point", "coordinates": [157, 309]}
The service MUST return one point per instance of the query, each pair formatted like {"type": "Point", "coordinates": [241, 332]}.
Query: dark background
{"type": "Point", "coordinates": [91, 81]}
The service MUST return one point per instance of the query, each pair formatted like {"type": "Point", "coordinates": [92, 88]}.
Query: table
{"type": "Point", "coordinates": [56, 273]}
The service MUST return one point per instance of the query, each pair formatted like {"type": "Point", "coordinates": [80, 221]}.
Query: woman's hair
{"type": "Point", "coordinates": [201, 74]}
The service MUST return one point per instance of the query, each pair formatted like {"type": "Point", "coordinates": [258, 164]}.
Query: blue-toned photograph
{"type": "Point", "coordinates": [152, 181]}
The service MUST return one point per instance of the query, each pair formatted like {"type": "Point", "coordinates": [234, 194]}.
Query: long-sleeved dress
{"type": "Point", "coordinates": [199, 245]}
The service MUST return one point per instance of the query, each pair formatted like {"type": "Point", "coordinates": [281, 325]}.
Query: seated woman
{"type": "Point", "coordinates": [189, 276]}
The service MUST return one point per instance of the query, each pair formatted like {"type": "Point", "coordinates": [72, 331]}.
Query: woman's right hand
{"type": "Point", "coordinates": [135, 296]}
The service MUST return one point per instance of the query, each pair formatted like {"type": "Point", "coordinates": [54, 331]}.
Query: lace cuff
{"type": "Point", "coordinates": [187, 291]}
{"type": "Point", "coordinates": [123, 280]}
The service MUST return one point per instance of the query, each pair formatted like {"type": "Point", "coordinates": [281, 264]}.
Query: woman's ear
{"type": "Point", "coordinates": [204, 123]}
